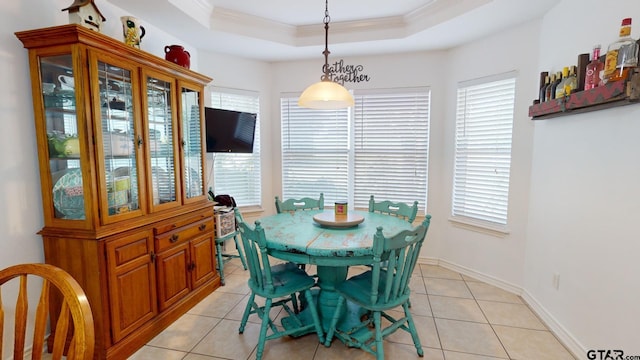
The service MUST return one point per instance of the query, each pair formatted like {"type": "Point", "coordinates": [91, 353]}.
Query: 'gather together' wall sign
{"type": "Point", "coordinates": [340, 72]}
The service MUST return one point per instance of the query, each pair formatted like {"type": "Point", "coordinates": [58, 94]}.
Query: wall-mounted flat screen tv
{"type": "Point", "coordinates": [229, 131]}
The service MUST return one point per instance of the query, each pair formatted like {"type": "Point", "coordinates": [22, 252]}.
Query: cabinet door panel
{"type": "Point", "coordinates": [191, 112]}
{"type": "Point", "coordinates": [203, 260]}
{"type": "Point", "coordinates": [132, 290]}
{"type": "Point", "coordinates": [173, 280]}
{"type": "Point", "coordinates": [161, 139]}
{"type": "Point", "coordinates": [118, 137]}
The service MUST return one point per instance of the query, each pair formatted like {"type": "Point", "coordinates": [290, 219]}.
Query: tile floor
{"type": "Point", "coordinates": [457, 317]}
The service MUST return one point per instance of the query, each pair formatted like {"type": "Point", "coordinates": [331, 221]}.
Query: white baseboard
{"type": "Point", "coordinates": [564, 336]}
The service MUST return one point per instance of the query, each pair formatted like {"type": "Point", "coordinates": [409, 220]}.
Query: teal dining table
{"type": "Point", "coordinates": [297, 237]}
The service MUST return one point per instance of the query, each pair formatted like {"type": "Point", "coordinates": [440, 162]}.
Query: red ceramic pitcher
{"type": "Point", "coordinates": [178, 55]}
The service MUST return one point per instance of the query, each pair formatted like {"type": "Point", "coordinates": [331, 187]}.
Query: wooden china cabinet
{"type": "Point", "coordinates": [120, 144]}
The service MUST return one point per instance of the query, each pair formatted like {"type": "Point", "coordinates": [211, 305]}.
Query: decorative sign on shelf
{"type": "Point", "coordinates": [340, 72]}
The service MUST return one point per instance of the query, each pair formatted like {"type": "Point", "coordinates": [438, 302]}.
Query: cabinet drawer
{"type": "Point", "coordinates": [185, 233]}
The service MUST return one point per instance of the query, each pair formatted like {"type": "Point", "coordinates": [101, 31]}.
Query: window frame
{"type": "Point", "coordinates": [494, 217]}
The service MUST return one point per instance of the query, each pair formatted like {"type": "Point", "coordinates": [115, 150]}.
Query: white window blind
{"type": "Point", "coordinates": [391, 146]}
{"type": "Point", "coordinates": [484, 122]}
{"type": "Point", "coordinates": [315, 150]}
{"type": "Point", "coordinates": [238, 174]}
{"type": "Point", "coordinates": [379, 147]}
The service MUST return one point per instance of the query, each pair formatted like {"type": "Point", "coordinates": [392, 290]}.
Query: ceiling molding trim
{"type": "Point", "coordinates": [199, 10]}
{"type": "Point", "coordinates": [386, 28]}
{"type": "Point", "coordinates": [438, 12]}
{"type": "Point", "coordinates": [239, 23]}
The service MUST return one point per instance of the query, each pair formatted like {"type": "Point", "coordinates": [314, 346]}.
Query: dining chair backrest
{"type": "Point", "coordinates": [305, 203]}
{"type": "Point", "coordinates": [74, 316]}
{"type": "Point", "coordinates": [255, 249]}
{"type": "Point", "coordinates": [390, 278]}
{"type": "Point", "coordinates": [398, 209]}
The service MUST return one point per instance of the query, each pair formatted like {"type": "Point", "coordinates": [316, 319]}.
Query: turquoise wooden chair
{"type": "Point", "coordinates": [381, 289]}
{"type": "Point", "coordinates": [278, 285]}
{"type": "Point", "coordinates": [305, 203]}
{"type": "Point", "coordinates": [398, 209]}
{"type": "Point", "coordinates": [223, 257]}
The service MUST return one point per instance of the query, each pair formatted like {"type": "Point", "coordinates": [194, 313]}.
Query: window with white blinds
{"type": "Point", "coordinates": [315, 152]}
{"type": "Point", "coordinates": [238, 174]}
{"type": "Point", "coordinates": [378, 147]}
{"type": "Point", "coordinates": [484, 122]}
{"type": "Point", "coordinates": [391, 147]}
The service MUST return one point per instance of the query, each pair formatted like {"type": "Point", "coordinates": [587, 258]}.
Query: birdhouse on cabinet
{"type": "Point", "coordinates": [85, 13]}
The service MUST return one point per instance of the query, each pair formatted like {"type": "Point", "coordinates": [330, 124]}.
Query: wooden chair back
{"type": "Point", "coordinates": [394, 259]}
{"type": "Point", "coordinates": [398, 209]}
{"type": "Point", "coordinates": [75, 311]}
{"type": "Point", "coordinates": [305, 203]}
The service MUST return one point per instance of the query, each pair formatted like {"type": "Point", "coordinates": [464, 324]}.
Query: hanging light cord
{"type": "Point", "coordinates": [326, 51]}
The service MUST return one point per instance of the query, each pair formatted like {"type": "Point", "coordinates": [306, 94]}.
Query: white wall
{"type": "Point", "coordinates": [585, 199]}
{"type": "Point", "coordinates": [20, 200]}
{"type": "Point", "coordinates": [574, 198]}
{"type": "Point", "coordinates": [491, 254]}
{"type": "Point", "coordinates": [237, 73]}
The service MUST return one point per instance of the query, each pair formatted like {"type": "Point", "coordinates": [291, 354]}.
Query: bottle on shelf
{"type": "Point", "coordinates": [547, 90]}
{"type": "Point", "coordinates": [560, 87]}
{"type": "Point", "coordinates": [554, 85]}
{"type": "Point", "coordinates": [571, 83]}
{"type": "Point", "coordinates": [543, 89]}
{"type": "Point", "coordinates": [593, 76]}
{"type": "Point", "coordinates": [622, 55]}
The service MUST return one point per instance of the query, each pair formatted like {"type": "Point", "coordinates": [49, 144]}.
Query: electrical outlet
{"type": "Point", "coordinates": [556, 281]}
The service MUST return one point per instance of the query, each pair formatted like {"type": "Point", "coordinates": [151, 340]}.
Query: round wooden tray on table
{"type": "Point", "coordinates": [330, 219]}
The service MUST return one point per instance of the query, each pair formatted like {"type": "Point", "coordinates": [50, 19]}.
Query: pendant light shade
{"type": "Point", "coordinates": [326, 94]}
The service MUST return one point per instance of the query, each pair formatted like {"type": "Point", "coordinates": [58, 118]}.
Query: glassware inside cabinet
{"type": "Point", "coordinates": [118, 138]}
{"type": "Point", "coordinates": [192, 143]}
{"type": "Point", "coordinates": [160, 129]}
{"type": "Point", "coordinates": [58, 98]}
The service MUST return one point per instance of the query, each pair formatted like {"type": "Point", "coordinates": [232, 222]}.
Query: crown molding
{"type": "Point", "coordinates": [386, 28]}
{"type": "Point", "coordinates": [199, 10]}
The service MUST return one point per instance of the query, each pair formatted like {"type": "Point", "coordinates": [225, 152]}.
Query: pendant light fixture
{"type": "Point", "coordinates": [326, 94]}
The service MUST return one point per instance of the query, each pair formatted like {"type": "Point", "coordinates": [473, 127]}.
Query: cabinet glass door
{"type": "Point", "coordinates": [191, 108]}
{"type": "Point", "coordinates": [161, 139]}
{"type": "Point", "coordinates": [63, 138]}
{"type": "Point", "coordinates": [120, 177]}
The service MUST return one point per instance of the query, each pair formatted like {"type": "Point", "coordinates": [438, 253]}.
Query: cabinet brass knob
{"type": "Point", "coordinates": [202, 227]}
{"type": "Point", "coordinates": [174, 238]}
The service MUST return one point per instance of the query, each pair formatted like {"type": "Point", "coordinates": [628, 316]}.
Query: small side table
{"type": "Point", "coordinates": [224, 221]}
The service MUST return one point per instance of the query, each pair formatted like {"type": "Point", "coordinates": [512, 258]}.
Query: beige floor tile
{"type": "Point", "coordinates": [289, 348]}
{"type": "Point", "coordinates": [235, 283]}
{"type": "Point", "coordinates": [185, 333]}
{"type": "Point", "coordinates": [416, 284]}
{"type": "Point", "coordinates": [469, 337]}
{"type": "Point", "coordinates": [404, 351]}
{"type": "Point", "coordinates": [225, 342]}
{"type": "Point", "coordinates": [524, 344]}
{"type": "Point", "coordinates": [518, 315]}
{"type": "Point", "coordinates": [238, 310]}
{"type": "Point", "coordinates": [452, 355]}
{"type": "Point", "coordinates": [435, 271]}
{"type": "Point", "coordinates": [218, 304]}
{"type": "Point", "coordinates": [339, 351]}
{"type": "Point", "coordinates": [426, 331]}
{"type": "Point", "coordinates": [192, 356]}
{"type": "Point", "coordinates": [154, 353]}
{"type": "Point", "coordinates": [447, 287]}
{"type": "Point", "coordinates": [469, 278]}
{"type": "Point", "coordinates": [456, 309]}
{"type": "Point", "coordinates": [419, 305]}
{"type": "Point", "coordinates": [483, 291]}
